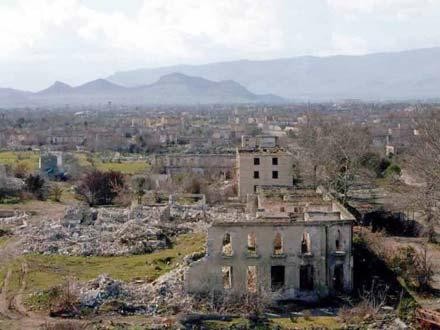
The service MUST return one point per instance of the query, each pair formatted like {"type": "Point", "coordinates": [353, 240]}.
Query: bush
{"type": "Point", "coordinates": [393, 170]}
{"type": "Point", "coordinates": [407, 308]}
{"type": "Point", "coordinates": [100, 188]}
{"type": "Point", "coordinates": [35, 184]}
{"type": "Point", "coordinates": [21, 170]}
{"type": "Point", "coordinates": [56, 192]}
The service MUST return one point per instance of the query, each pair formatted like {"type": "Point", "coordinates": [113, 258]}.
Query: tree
{"type": "Point", "coordinates": [9, 187]}
{"type": "Point", "coordinates": [139, 185]}
{"type": "Point", "coordinates": [55, 192]}
{"type": "Point", "coordinates": [424, 162]}
{"type": "Point", "coordinates": [334, 151]}
{"type": "Point", "coordinates": [35, 184]}
{"type": "Point", "coordinates": [21, 170]}
{"type": "Point", "coordinates": [100, 188]}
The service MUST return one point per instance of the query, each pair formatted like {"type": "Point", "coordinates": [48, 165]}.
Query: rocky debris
{"type": "Point", "coordinates": [16, 218]}
{"type": "Point", "coordinates": [101, 289]}
{"type": "Point", "coordinates": [103, 231]}
{"type": "Point", "coordinates": [81, 214]}
{"type": "Point", "coordinates": [9, 184]}
{"type": "Point", "coordinates": [193, 257]}
{"type": "Point", "coordinates": [107, 295]}
{"type": "Point", "coordinates": [111, 231]}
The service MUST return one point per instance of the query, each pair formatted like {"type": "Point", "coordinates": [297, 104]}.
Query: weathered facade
{"type": "Point", "coordinates": [196, 163]}
{"type": "Point", "coordinates": [262, 162]}
{"type": "Point", "coordinates": [304, 254]}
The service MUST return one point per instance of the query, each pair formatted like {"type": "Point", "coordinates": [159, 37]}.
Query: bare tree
{"type": "Point", "coordinates": [424, 162]}
{"type": "Point", "coordinates": [335, 151]}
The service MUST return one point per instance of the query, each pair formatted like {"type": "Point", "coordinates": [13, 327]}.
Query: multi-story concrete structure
{"type": "Point", "coordinates": [196, 163]}
{"type": "Point", "coordinates": [262, 162]}
{"type": "Point", "coordinates": [304, 254]}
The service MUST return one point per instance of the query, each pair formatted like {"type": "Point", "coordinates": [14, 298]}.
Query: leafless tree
{"type": "Point", "coordinates": [424, 162]}
{"type": "Point", "coordinates": [335, 151]}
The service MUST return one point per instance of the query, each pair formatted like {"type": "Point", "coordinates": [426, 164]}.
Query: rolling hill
{"type": "Point", "coordinates": [413, 74]}
{"type": "Point", "coordinates": [174, 88]}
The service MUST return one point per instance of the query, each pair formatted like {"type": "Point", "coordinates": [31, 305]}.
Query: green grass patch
{"type": "Point", "coordinates": [312, 322]}
{"type": "Point", "coordinates": [46, 271]}
{"type": "Point", "coordinates": [3, 240]}
{"type": "Point", "coordinates": [125, 167]}
{"type": "Point", "coordinates": [237, 323]}
{"type": "Point", "coordinates": [12, 158]}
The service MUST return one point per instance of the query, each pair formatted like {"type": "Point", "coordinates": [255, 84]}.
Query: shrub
{"type": "Point", "coordinates": [35, 184]}
{"type": "Point", "coordinates": [100, 188]}
{"type": "Point", "coordinates": [56, 192]}
{"type": "Point", "coordinates": [393, 170]}
{"type": "Point", "coordinates": [21, 170]}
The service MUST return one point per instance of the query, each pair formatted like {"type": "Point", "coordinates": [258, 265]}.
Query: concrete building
{"type": "Point", "coordinates": [262, 162]}
{"type": "Point", "coordinates": [51, 163]}
{"type": "Point", "coordinates": [222, 164]}
{"type": "Point", "coordinates": [305, 254]}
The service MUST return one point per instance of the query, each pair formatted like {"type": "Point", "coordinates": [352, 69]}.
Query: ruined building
{"type": "Point", "coordinates": [262, 162]}
{"type": "Point", "coordinates": [296, 244]}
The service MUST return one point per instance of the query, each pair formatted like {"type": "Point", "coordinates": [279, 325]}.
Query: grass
{"type": "Point", "coordinates": [29, 158]}
{"type": "Point", "coordinates": [46, 271]}
{"type": "Point", "coordinates": [125, 167]}
{"type": "Point", "coordinates": [312, 322]}
{"type": "Point", "coordinates": [3, 240]}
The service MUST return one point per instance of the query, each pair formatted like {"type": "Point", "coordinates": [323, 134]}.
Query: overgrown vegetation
{"type": "Point", "coordinates": [100, 188]}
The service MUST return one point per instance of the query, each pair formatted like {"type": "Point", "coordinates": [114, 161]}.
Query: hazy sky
{"type": "Point", "coordinates": [78, 40]}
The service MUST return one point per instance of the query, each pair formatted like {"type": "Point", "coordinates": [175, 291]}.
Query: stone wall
{"type": "Point", "coordinates": [325, 254]}
{"type": "Point", "coordinates": [197, 163]}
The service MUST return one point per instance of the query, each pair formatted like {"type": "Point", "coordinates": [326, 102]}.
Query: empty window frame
{"type": "Point", "coordinates": [227, 277]}
{"type": "Point", "coordinates": [256, 174]}
{"type": "Point", "coordinates": [306, 243]}
{"type": "Point", "coordinates": [306, 277]}
{"type": "Point", "coordinates": [251, 243]}
{"type": "Point", "coordinates": [277, 275]}
{"type": "Point", "coordinates": [278, 244]}
{"type": "Point", "coordinates": [274, 161]}
{"type": "Point", "coordinates": [251, 279]}
{"type": "Point", "coordinates": [274, 174]}
{"type": "Point", "coordinates": [256, 161]}
{"type": "Point", "coordinates": [338, 241]}
{"type": "Point", "coordinates": [227, 245]}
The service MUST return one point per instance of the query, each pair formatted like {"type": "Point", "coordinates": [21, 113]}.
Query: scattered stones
{"type": "Point", "coordinates": [107, 295]}
{"type": "Point", "coordinates": [104, 231]}
{"type": "Point", "coordinates": [111, 231]}
{"type": "Point", "coordinates": [103, 288]}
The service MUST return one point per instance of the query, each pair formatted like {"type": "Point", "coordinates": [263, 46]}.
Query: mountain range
{"type": "Point", "coordinates": [406, 75]}
{"type": "Point", "coordinates": [173, 88]}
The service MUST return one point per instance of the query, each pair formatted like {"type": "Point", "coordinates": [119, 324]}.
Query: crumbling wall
{"type": "Point", "coordinates": [206, 274]}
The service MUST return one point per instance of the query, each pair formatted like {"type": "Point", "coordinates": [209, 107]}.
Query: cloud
{"type": "Point", "coordinates": [401, 9]}
{"type": "Point", "coordinates": [347, 44]}
{"type": "Point", "coordinates": [166, 28]}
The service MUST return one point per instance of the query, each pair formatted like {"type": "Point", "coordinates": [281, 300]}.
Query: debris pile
{"type": "Point", "coordinates": [105, 232]}
{"type": "Point", "coordinates": [106, 295]}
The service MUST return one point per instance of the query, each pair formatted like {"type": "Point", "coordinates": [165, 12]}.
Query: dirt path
{"type": "Point", "coordinates": [13, 312]}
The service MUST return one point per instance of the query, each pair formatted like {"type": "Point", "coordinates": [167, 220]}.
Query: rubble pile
{"type": "Point", "coordinates": [105, 232]}
{"type": "Point", "coordinates": [106, 295]}
{"type": "Point", "coordinates": [223, 214]}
